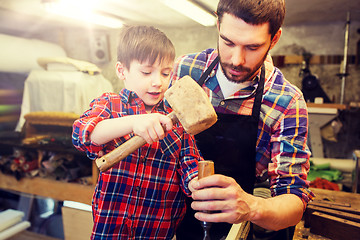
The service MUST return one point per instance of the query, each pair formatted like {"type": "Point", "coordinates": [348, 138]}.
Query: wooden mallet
{"type": "Point", "coordinates": [191, 107]}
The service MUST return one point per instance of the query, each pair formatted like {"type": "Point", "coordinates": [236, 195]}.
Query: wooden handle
{"type": "Point", "coordinates": [206, 168]}
{"type": "Point", "coordinates": [107, 161]}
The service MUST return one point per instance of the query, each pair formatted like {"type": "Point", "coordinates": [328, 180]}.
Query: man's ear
{"type": "Point", "coordinates": [120, 70]}
{"type": "Point", "coordinates": [276, 38]}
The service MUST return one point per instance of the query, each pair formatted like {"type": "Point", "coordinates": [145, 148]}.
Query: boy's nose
{"type": "Point", "coordinates": [156, 81]}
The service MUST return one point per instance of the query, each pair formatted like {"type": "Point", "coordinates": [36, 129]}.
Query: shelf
{"type": "Point", "coordinates": [49, 188]}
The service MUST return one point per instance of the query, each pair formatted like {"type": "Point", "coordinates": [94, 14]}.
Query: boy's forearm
{"type": "Point", "coordinates": [110, 129]}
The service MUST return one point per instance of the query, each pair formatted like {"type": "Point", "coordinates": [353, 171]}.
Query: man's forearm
{"type": "Point", "coordinates": [278, 212]}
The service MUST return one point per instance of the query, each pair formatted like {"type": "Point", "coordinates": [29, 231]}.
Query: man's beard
{"type": "Point", "coordinates": [247, 77]}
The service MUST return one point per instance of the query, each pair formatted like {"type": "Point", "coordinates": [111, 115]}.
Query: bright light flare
{"type": "Point", "coordinates": [82, 10]}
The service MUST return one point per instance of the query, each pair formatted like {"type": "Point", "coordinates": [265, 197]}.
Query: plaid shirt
{"type": "Point", "coordinates": [142, 197]}
{"type": "Point", "coordinates": [281, 151]}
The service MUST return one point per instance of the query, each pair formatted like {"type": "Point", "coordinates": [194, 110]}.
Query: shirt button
{"type": "Point", "coordinates": [137, 188]}
{"type": "Point", "coordinates": [143, 160]}
{"type": "Point", "coordinates": [222, 103]}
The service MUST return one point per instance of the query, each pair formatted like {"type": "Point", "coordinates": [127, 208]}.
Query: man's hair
{"type": "Point", "coordinates": [255, 12]}
{"type": "Point", "coordinates": [143, 43]}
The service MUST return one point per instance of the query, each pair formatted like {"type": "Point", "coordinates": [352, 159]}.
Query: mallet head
{"type": "Point", "coordinates": [191, 105]}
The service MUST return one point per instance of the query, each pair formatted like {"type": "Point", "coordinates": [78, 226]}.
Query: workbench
{"type": "Point", "coordinates": [27, 235]}
{"type": "Point", "coordinates": [57, 190]}
{"type": "Point", "coordinates": [332, 215]}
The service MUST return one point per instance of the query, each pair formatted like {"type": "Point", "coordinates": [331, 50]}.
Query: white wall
{"type": "Point", "coordinates": [320, 39]}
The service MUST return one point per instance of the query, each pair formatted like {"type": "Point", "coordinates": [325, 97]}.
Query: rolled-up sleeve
{"type": "Point", "coordinates": [83, 127]}
{"type": "Point", "coordinates": [290, 155]}
{"type": "Point", "coordinates": [189, 158]}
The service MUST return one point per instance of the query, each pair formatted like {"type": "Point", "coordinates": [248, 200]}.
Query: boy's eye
{"type": "Point", "coordinates": [165, 74]}
{"type": "Point", "coordinates": [146, 72]}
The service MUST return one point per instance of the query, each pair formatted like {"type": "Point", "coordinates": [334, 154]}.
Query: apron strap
{"type": "Point", "coordinates": [258, 95]}
{"type": "Point", "coordinates": [208, 71]}
{"type": "Point", "coordinates": [259, 90]}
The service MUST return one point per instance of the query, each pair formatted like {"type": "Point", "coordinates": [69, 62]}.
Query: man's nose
{"type": "Point", "coordinates": [238, 56]}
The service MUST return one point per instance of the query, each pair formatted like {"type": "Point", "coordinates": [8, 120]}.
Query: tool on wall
{"type": "Point", "coordinates": [310, 84]}
{"type": "Point", "coordinates": [343, 67]}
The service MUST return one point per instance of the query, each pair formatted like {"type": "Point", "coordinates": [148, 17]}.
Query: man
{"type": "Point", "coordinates": [262, 128]}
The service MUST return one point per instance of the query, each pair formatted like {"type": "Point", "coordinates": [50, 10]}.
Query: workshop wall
{"type": "Point", "coordinates": [319, 40]}
{"type": "Point", "coordinates": [324, 41]}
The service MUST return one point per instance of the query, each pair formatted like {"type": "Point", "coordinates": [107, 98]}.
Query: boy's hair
{"type": "Point", "coordinates": [144, 43]}
{"type": "Point", "coordinates": [255, 12]}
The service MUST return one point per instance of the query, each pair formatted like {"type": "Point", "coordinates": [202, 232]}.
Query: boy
{"type": "Point", "coordinates": [141, 197]}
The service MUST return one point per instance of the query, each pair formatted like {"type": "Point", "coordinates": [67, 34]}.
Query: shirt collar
{"type": "Point", "coordinates": [246, 91]}
{"type": "Point", "coordinates": [131, 98]}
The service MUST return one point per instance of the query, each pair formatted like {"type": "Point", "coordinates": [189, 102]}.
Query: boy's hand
{"type": "Point", "coordinates": [152, 126]}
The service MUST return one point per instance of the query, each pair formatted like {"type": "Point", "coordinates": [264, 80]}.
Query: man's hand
{"type": "Point", "coordinates": [152, 127]}
{"type": "Point", "coordinates": [221, 193]}
{"type": "Point", "coordinates": [233, 205]}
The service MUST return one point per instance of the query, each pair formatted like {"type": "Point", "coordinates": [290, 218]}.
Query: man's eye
{"type": "Point", "coordinates": [253, 48]}
{"type": "Point", "coordinates": [146, 73]}
{"type": "Point", "coordinates": [165, 74]}
{"type": "Point", "coordinates": [228, 43]}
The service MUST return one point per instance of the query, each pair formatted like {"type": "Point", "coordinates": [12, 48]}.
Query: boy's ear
{"type": "Point", "coordinates": [120, 70]}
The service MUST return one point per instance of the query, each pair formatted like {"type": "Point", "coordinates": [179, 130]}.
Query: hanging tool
{"type": "Point", "coordinates": [343, 66]}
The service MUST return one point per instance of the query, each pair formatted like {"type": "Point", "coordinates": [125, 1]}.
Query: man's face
{"type": "Point", "coordinates": [243, 47]}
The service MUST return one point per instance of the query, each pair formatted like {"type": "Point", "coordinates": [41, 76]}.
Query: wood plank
{"type": "Point", "coordinates": [77, 223]}
{"type": "Point", "coordinates": [333, 227]}
{"type": "Point", "coordinates": [327, 105]}
{"type": "Point", "coordinates": [350, 216]}
{"type": "Point", "coordinates": [335, 207]}
{"type": "Point", "coordinates": [27, 235]}
{"type": "Point", "coordinates": [337, 197]}
{"type": "Point", "coordinates": [49, 188]}
{"type": "Point", "coordinates": [239, 231]}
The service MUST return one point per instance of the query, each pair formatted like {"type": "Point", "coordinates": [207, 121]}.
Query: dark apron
{"type": "Point", "coordinates": [231, 144]}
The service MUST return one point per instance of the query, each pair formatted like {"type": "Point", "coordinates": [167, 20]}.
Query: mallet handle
{"type": "Point", "coordinates": [107, 161]}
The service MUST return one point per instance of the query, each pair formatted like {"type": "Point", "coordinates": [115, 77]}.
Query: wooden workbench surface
{"type": "Point", "coordinates": [49, 188]}
{"type": "Point", "coordinates": [27, 235]}
{"type": "Point", "coordinates": [339, 197]}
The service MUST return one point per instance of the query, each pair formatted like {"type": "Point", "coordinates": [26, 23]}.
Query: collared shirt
{"type": "Point", "coordinates": [281, 151]}
{"type": "Point", "coordinates": [141, 197]}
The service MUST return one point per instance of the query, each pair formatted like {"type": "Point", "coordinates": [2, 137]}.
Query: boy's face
{"type": "Point", "coordinates": [148, 81]}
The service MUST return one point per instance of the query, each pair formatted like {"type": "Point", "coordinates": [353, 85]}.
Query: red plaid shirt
{"type": "Point", "coordinates": [142, 197]}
